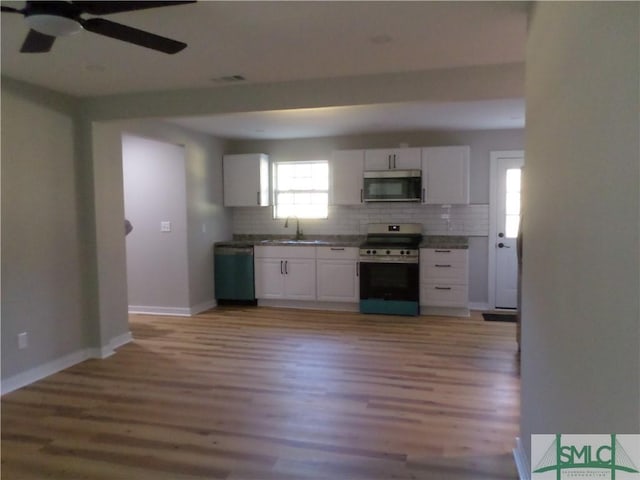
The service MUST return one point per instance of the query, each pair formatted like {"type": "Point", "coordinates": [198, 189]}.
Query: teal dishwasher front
{"type": "Point", "coordinates": [233, 273]}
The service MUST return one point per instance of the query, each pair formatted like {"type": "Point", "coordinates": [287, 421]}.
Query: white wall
{"type": "Point", "coordinates": [41, 270]}
{"type": "Point", "coordinates": [155, 191]}
{"type": "Point", "coordinates": [581, 272]}
{"type": "Point", "coordinates": [471, 220]}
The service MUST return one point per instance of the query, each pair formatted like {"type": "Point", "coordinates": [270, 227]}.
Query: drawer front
{"type": "Point", "coordinates": [444, 255]}
{"type": "Point", "coordinates": [442, 295]}
{"type": "Point", "coordinates": [337, 253]}
{"type": "Point", "coordinates": [444, 273]}
{"type": "Point", "coordinates": [270, 251]}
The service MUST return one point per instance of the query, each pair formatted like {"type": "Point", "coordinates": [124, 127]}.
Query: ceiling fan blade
{"type": "Point", "coordinates": [105, 8]}
{"type": "Point", "coordinates": [132, 35]}
{"type": "Point", "coordinates": [10, 10]}
{"type": "Point", "coordinates": [37, 42]}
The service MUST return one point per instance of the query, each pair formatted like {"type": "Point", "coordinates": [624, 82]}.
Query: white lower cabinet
{"type": "Point", "coordinates": [444, 277]}
{"type": "Point", "coordinates": [287, 273]}
{"type": "Point", "coordinates": [337, 274]}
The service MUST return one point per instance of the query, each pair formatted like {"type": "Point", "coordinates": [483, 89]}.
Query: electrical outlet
{"type": "Point", "coordinates": [23, 340]}
{"type": "Point", "coordinates": [165, 226]}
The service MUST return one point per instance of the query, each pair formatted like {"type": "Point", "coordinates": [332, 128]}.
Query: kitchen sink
{"type": "Point", "coordinates": [294, 242]}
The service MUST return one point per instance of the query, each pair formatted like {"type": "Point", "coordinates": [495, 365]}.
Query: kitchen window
{"type": "Point", "coordinates": [301, 189]}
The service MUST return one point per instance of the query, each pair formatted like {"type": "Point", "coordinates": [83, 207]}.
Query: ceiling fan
{"type": "Point", "coordinates": [50, 19]}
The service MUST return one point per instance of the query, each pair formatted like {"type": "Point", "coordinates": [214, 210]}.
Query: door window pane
{"type": "Point", "coordinates": [512, 203]}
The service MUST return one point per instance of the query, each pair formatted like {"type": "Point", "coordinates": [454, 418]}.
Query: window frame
{"type": "Point", "coordinates": [276, 191]}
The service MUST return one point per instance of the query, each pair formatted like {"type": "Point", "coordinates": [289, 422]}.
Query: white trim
{"type": "Point", "coordinates": [481, 306]}
{"type": "Point", "coordinates": [42, 371]}
{"type": "Point", "coordinates": [522, 461]}
{"type": "Point", "coordinates": [37, 373]}
{"type": "Point", "coordinates": [493, 217]}
{"type": "Point", "coordinates": [445, 311]}
{"type": "Point", "coordinates": [203, 307]}
{"type": "Point", "coordinates": [110, 348]}
{"type": "Point", "coordinates": [171, 311]}
{"type": "Point", "coordinates": [310, 305]}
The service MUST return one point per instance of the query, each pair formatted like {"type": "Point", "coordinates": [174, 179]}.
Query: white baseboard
{"type": "Point", "coordinates": [522, 461]}
{"type": "Point", "coordinates": [445, 311]}
{"type": "Point", "coordinates": [479, 306]}
{"type": "Point", "coordinates": [38, 373]}
{"type": "Point", "coordinates": [203, 307]}
{"type": "Point", "coordinates": [172, 311]}
{"type": "Point", "coordinates": [311, 305]}
{"type": "Point", "coordinates": [110, 348]}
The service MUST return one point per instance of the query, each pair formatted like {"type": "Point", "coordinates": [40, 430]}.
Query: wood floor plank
{"type": "Point", "coordinates": [246, 393]}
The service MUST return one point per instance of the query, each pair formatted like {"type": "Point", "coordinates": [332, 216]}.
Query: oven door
{"type": "Point", "coordinates": [389, 281]}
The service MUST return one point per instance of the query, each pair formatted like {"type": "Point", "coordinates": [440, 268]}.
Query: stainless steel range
{"type": "Point", "coordinates": [389, 271]}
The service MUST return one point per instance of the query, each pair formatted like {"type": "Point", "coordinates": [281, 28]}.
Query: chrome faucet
{"type": "Point", "coordinates": [298, 231]}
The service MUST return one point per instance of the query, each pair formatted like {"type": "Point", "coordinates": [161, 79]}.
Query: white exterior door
{"type": "Point", "coordinates": [506, 180]}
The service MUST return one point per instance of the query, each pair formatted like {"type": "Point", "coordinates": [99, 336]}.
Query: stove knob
{"type": "Point", "coordinates": [388, 252]}
{"type": "Point", "coordinates": [374, 252]}
{"type": "Point", "coordinates": [368, 252]}
{"type": "Point", "coordinates": [401, 252]}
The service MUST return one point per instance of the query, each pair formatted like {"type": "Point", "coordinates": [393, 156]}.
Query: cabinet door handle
{"type": "Point", "coordinates": [389, 161]}
{"type": "Point", "coordinates": [337, 249]}
{"type": "Point", "coordinates": [258, 198]}
{"type": "Point", "coordinates": [281, 271]}
{"type": "Point", "coordinates": [357, 269]}
{"type": "Point", "coordinates": [443, 266]}
{"type": "Point", "coordinates": [394, 161]}
{"type": "Point", "coordinates": [443, 288]}
{"type": "Point", "coordinates": [423, 195]}
{"type": "Point", "coordinates": [361, 195]}
{"type": "Point", "coordinates": [286, 272]}
{"type": "Point", "coordinates": [443, 251]}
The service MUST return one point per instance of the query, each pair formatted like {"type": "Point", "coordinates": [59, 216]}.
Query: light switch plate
{"type": "Point", "coordinates": [165, 226]}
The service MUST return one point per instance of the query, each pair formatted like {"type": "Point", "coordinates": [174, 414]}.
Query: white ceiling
{"type": "Point", "coordinates": [332, 121]}
{"type": "Point", "coordinates": [287, 41]}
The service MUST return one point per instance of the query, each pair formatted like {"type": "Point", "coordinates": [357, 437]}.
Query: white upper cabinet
{"type": "Point", "coordinates": [346, 177]}
{"type": "Point", "coordinates": [392, 159]}
{"type": "Point", "coordinates": [445, 175]}
{"type": "Point", "coordinates": [246, 180]}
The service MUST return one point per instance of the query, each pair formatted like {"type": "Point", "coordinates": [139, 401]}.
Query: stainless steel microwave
{"type": "Point", "coordinates": [392, 185]}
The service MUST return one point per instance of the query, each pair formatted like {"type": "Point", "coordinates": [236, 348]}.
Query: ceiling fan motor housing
{"type": "Point", "coordinates": [53, 18]}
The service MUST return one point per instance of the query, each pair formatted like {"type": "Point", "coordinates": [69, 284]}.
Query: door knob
{"type": "Point", "coordinates": [501, 234]}
{"type": "Point", "coordinates": [502, 245]}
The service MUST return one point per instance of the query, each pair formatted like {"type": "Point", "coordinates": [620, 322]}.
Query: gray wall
{"type": "Point", "coordinates": [207, 221]}
{"type": "Point", "coordinates": [581, 317]}
{"type": "Point", "coordinates": [155, 191]}
{"type": "Point", "coordinates": [63, 244]}
{"type": "Point", "coordinates": [41, 271]}
{"type": "Point", "coordinates": [258, 220]}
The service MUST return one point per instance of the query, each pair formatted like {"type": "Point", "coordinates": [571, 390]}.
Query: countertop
{"type": "Point", "coordinates": [428, 241]}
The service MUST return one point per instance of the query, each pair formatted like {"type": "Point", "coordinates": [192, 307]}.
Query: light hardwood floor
{"type": "Point", "coordinates": [277, 394]}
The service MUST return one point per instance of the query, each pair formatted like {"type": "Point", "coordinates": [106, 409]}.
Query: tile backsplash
{"type": "Point", "coordinates": [469, 220]}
